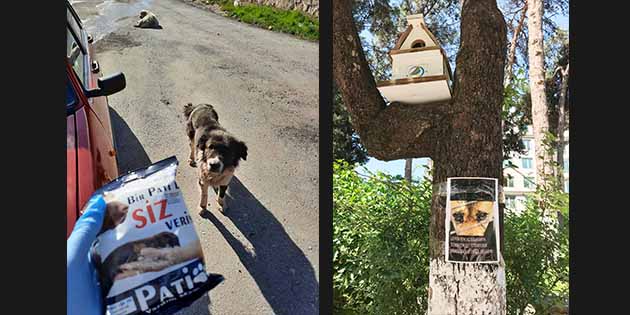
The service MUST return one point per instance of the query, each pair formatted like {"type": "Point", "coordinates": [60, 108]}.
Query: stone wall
{"type": "Point", "coordinates": [310, 7]}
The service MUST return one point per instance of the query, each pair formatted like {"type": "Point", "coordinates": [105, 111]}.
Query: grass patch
{"type": "Point", "coordinates": [286, 21]}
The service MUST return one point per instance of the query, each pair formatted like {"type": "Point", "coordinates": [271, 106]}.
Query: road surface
{"type": "Point", "coordinates": [264, 86]}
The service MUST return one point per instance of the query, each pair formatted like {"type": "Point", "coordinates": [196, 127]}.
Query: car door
{"type": "Point", "coordinates": [96, 109]}
{"type": "Point", "coordinates": [72, 210]}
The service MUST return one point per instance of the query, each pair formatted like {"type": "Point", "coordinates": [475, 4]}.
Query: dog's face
{"type": "Point", "coordinates": [471, 218]}
{"type": "Point", "coordinates": [220, 151]}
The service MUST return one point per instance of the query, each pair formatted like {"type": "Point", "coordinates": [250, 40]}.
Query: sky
{"type": "Point", "coordinates": [397, 167]}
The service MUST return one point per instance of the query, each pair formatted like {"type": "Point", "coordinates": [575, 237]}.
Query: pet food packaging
{"type": "Point", "coordinates": [148, 256]}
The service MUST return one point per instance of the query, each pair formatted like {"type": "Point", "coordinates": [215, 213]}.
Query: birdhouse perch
{"type": "Point", "coordinates": [420, 70]}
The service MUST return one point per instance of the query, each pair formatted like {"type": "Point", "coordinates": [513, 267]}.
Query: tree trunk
{"type": "Point", "coordinates": [470, 145]}
{"type": "Point", "coordinates": [562, 123]}
{"type": "Point", "coordinates": [537, 88]}
{"type": "Point", "coordinates": [408, 164]}
{"type": "Point", "coordinates": [512, 52]}
{"type": "Point", "coordinates": [463, 137]}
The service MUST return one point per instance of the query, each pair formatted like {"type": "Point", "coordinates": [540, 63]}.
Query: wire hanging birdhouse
{"type": "Point", "coordinates": [420, 70]}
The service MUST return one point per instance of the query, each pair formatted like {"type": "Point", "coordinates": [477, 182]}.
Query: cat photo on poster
{"type": "Point", "coordinates": [472, 220]}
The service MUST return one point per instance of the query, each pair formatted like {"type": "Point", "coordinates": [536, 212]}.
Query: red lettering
{"type": "Point", "coordinates": [151, 215]}
{"type": "Point", "coordinates": [142, 220]}
{"type": "Point", "coordinates": [139, 218]}
{"type": "Point", "coordinates": [163, 214]}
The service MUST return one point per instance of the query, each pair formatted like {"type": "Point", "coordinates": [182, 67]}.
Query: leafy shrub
{"type": "Point", "coordinates": [381, 236]}
{"type": "Point", "coordinates": [287, 21]}
{"type": "Point", "coordinates": [380, 243]}
{"type": "Point", "coordinates": [537, 251]}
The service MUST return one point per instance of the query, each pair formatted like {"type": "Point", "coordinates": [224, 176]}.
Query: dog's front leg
{"type": "Point", "coordinates": [191, 157]}
{"type": "Point", "coordinates": [221, 198]}
{"type": "Point", "coordinates": [203, 203]}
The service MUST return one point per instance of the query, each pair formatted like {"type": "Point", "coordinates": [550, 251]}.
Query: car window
{"type": "Point", "coordinates": [75, 55]}
{"type": "Point", "coordinates": [73, 18]}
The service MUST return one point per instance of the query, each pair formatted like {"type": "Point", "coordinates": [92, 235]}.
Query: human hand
{"type": "Point", "coordinates": [83, 292]}
{"type": "Point", "coordinates": [116, 213]}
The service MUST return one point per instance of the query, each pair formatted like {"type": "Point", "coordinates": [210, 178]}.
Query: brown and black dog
{"type": "Point", "coordinates": [217, 151]}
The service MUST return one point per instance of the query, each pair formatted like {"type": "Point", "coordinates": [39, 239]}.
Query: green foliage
{"type": "Point", "coordinates": [537, 251]}
{"type": "Point", "coordinates": [515, 114]}
{"type": "Point", "coordinates": [380, 243]}
{"type": "Point", "coordinates": [380, 246]}
{"type": "Point", "coordinates": [558, 50]}
{"type": "Point", "coordinates": [346, 144]}
{"type": "Point", "coordinates": [287, 21]}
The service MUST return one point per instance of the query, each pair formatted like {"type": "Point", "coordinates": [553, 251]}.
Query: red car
{"type": "Point", "coordinates": [90, 151]}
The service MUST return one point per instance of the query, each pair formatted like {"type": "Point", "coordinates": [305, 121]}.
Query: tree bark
{"type": "Point", "coordinates": [389, 132]}
{"type": "Point", "coordinates": [408, 164]}
{"type": "Point", "coordinates": [512, 48]}
{"type": "Point", "coordinates": [540, 118]}
{"type": "Point", "coordinates": [562, 123]}
{"type": "Point", "coordinates": [463, 137]}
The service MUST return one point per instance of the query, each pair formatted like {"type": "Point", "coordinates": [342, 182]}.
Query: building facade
{"type": "Point", "coordinates": [520, 172]}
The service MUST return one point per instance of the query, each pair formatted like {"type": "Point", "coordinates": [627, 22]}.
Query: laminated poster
{"type": "Point", "coordinates": [472, 220]}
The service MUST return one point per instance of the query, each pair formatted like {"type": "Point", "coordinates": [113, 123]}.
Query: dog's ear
{"type": "Point", "coordinates": [188, 108]}
{"type": "Point", "coordinates": [216, 115]}
{"type": "Point", "coordinates": [241, 149]}
{"type": "Point", "coordinates": [200, 149]}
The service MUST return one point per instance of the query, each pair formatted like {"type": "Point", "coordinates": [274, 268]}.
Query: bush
{"type": "Point", "coordinates": [287, 21]}
{"type": "Point", "coordinates": [381, 237]}
{"type": "Point", "coordinates": [380, 243]}
{"type": "Point", "coordinates": [537, 252]}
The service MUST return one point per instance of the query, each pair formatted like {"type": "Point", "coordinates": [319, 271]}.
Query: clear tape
{"type": "Point", "coordinates": [439, 189]}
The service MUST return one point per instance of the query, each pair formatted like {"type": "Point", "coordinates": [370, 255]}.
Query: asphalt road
{"type": "Point", "coordinates": [264, 86]}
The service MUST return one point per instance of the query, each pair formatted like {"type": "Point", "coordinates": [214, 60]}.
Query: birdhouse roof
{"type": "Point", "coordinates": [415, 21]}
{"type": "Point", "coordinates": [402, 37]}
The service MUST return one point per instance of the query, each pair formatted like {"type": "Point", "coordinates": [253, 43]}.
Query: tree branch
{"type": "Point", "coordinates": [426, 10]}
{"type": "Point", "coordinates": [400, 131]}
{"type": "Point", "coordinates": [389, 132]}
{"type": "Point", "coordinates": [512, 53]}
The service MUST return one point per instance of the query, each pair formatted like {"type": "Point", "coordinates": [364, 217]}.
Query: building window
{"type": "Point", "coordinates": [527, 163]}
{"type": "Point", "coordinates": [528, 182]}
{"type": "Point", "coordinates": [509, 181]}
{"type": "Point", "coordinates": [566, 186]}
{"type": "Point", "coordinates": [528, 145]}
{"type": "Point", "coordinates": [510, 202]}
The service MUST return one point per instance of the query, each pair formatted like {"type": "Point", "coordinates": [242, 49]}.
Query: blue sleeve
{"type": "Point", "coordinates": [83, 292]}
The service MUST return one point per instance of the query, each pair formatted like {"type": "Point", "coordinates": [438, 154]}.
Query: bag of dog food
{"type": "Point", "coordinates": [148, 255]}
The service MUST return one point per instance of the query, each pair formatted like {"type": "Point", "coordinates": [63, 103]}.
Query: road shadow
{"type": "Point", "coordinates": [281, 270]}
{"type": "Point", "coordinates": [159, 27]}
{"type": "Point", "coordinates": [131, 154]}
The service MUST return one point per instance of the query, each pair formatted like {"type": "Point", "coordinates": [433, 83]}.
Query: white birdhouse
{"type": "Point", "coordinates": [420, 70]}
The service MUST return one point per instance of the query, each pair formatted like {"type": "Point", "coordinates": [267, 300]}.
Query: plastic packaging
{"type": "Point", "coordinates": [148, 255]}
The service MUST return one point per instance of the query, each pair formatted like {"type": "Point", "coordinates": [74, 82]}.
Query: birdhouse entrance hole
{"type": "Point", "coordinates": [418, 43]}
